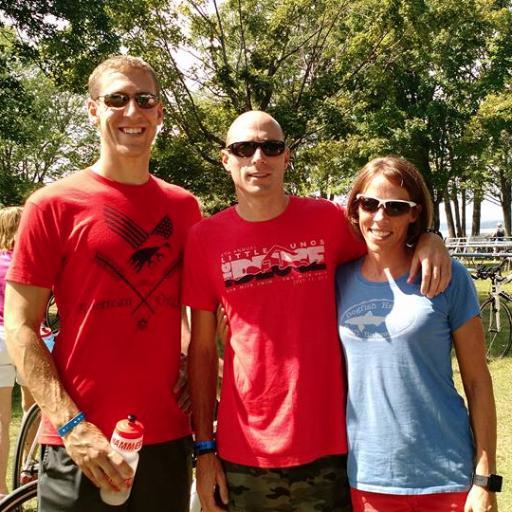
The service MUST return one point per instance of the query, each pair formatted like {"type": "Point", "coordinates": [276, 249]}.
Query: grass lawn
{"type": "Point", "coordinates": [16, 421]}
{"type": "Point", "coordinates": [501, 372]}
{"type": "Point", "coordinates": [502, 375]}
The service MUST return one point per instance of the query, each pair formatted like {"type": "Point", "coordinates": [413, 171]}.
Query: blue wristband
{"type": "Point", "coordinates": [71, 424]}
{"type": "Point", "coordinates": [202, 447]}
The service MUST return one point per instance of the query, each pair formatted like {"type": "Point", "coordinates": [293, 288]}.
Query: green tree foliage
{"type": "Point", "coordinates": [65, 38]}
{"type": "Point", "coordinates": [348, 80]}
{"type": "Point", "coordinates": [443, 57]}
{"type": "Point", "coordinates": [44, 132]}
{"type": "Point", "coordinates": [490, 132]}
{"type": "Point", "coordinates": [298, 60]}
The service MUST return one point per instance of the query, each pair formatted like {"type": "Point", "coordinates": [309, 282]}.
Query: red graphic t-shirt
{"type": "Point", "coordinates": [113, 255]}
{"type": "Point", "coordinates": [282, 398]}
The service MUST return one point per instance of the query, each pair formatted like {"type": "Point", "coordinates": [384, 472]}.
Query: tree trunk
{"type": "Point", "coordinates": [456, 209]}
{"type": "Point", "coordinates": [435, 215]}
{"type": "Point", "coordinates": [463, 210]}
{"type": "Point", "coordinates": [477, 213]}
{"type": "Point", "coordinates": [506, 200]}
{"type": "Point", "coordinates": [449, 215]}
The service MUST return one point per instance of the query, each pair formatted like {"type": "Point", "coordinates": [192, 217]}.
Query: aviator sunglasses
{"type": "Point", "coordinates": [249, 147]}
{"type": "Point", "coordinates": [144, 100]}
{"type": "Point", "coordinates": [392, 207]}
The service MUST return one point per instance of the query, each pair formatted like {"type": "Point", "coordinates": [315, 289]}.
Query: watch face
{"type": "Point", "coordinates": [495, 482]}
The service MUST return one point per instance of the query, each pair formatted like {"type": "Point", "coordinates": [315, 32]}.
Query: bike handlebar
{"type": "Point", "coordinates": [490, 272]}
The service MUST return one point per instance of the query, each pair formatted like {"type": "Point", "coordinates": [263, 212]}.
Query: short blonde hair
{"type": "Point", "coordinates": [119, 63]}
{"type": "Point", "coordinates": [404, 174]}
{"type": "Point", "coordinates": [9, 222]}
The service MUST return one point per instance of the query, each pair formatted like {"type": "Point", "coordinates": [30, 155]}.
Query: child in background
{"type": "Point", "coordinates": [9, 220]}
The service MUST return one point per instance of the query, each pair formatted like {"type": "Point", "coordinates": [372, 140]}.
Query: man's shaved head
{"type": "Point", "coordinates": [254, 125]}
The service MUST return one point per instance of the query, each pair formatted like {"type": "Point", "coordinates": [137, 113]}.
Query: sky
{"type": "Point", "coordinates": [491, 214]}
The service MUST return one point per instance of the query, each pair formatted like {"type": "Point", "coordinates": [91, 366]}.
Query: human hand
{"type": "Point", "coordinates": [180, 388]}
{"type": "Point", "coordinates": [92, 453]}
{"type": "Point", "coordinates": [480, 500]}
{"type": "Point", "coordinates": [209, 476]}
{"type": "Point", "coordinates": [435, 262]}
{"type": "Point", "coordinates": [223, 332]}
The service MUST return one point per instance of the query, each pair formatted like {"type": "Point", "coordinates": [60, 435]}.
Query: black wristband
{"type": "Point", "coordinates": [435, 231]}
{"type": "Point", "coordinates": [490, 482]}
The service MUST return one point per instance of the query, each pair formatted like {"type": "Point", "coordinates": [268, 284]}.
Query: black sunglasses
{"type": "Point", "coordinates": [392, 207]}
{"type": "Point", "coordinates": [144, 100]}
{"type": "Point", "coordinates": [248, 148]}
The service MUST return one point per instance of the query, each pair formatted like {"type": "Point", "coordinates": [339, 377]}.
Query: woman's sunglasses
{"type": "Point", "coordinates": [144, 100]}
{"type": "Point", "coordinates": [247, 148]}
{"type": "Point", "coordinates": [392, 207]}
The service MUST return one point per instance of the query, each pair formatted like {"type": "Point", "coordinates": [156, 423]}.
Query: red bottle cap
{"type": "Point", "coordinates": [130, 428]}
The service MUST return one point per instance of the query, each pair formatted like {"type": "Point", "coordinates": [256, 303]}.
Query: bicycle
{"type": "Point", "coordinates": [51, 318]}
{"type": "Point", "coordinates": [23, 499]}
{"type": "Point", "coordinates": [27, 452]}
{"type": "Point", "coordinates": [494, 312]}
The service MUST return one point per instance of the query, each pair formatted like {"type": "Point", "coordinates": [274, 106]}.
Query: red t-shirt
{"type": "Point", "coordinates": [283, 391]}
{"type": "Point", "coordinates": [113, 255]}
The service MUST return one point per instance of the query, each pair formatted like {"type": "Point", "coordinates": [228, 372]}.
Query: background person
{"type": "Point", "coordinates": [409, 435]}
{"type": "Point", "coordinates": [108, 240]}
{"type": "Point", "coordinates": [498, 235]}
{"type": "Point", "coordinates": [9, 221]}
{"type": "Point", "coordinates": [499, 232]}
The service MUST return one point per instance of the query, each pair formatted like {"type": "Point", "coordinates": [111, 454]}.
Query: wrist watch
{"type": "Point", "coordinates": [490, 482]}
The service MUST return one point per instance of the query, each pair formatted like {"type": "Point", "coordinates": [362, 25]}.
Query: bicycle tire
{"type": "Point", "coordinates": [498, 342]}
{"type": "Point", "coordinates": [18, 500]}
{"type": "Point", "coordinates": [32, 417]}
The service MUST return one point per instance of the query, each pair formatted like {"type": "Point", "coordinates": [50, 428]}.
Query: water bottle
{"type": "Point", "coordinates": [127, 441]}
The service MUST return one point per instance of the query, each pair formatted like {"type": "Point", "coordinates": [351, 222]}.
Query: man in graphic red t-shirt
{"type": "Point", "coordinates": [270, 262]}
{"type": "Point", "coordinates": [108, 240]}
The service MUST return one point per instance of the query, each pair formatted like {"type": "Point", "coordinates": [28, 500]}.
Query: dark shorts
{"type": "Point", "coordinates": [321, 486]}
{"type": "Point", "coordinates": [162, 481]}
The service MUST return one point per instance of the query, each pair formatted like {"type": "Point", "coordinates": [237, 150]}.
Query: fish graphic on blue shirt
{"type": "Point", "coordinates": [362, 321]}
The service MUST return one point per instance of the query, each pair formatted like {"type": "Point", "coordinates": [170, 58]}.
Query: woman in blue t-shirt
{"type": "Point", "coordinates": [412, 444]}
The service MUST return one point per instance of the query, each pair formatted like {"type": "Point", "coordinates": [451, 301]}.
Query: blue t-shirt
{"type": "Point", "coordinates": [408, 428]}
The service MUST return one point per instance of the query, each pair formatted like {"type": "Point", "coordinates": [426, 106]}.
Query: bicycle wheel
{"type": "Point", "coordinates": [27, 453]}
{"type": "Point", "coordinates": [497, 328]}
{"type": "Point", "coordinates": [23, 499]}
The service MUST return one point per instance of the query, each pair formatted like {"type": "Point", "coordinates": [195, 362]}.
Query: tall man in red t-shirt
{"type": "Point", "coordinates": [108, 240]}
{"type": "Point", "coordinates": [270, 262]}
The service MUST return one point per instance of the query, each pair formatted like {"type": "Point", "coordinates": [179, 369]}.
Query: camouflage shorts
{"type": "Point", "coordinates": [320, 486]}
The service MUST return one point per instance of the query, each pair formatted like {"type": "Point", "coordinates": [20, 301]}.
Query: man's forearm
{"type": "Point", "coordinates": [203, 367]}
{"type": "Point", "coordinates": [202, 382]}
{"type": "Point", "coordinates": [37, 368]}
